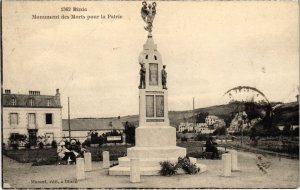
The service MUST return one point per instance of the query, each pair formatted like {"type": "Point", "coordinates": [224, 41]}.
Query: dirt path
{"type": "Point", "coordinates": [282, 174]}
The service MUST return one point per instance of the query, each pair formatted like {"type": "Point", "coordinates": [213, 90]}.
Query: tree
{"type": "Point", "coordinates": [220, 131]}
{"type": "Point", "coordinates": [286, 130]}
{"type": "Point", "coordinates": [130, 132]}
{"type": "Point", "coordinates": [200, 118]}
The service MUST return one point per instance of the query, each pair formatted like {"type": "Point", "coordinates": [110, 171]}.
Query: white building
{"type": "Point", "coordinates": [211, 120]}
{"type": "Point", "coordinates": [186, 126]}
{"type": "Point", "coordinates": [203, 128]}
{"type": "Point", "coordinates": [32, 115]}
{"type": "Point", "coordinates": [215, 121]}
{"type": "Point", "coordinates": [198, 128]}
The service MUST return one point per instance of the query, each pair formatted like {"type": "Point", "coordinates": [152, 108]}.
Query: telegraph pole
{"type": "Point", "coordinates": [69, 119]}
{"type": "Point", "coordinates": [194, 121]}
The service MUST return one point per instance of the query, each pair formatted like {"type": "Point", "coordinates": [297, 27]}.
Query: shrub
{"type": "Point", "coordinates": [27, 145]}
{"type": "Point", "coordinates": [54, 144]}
{"type": "Point", "coordinates": [86, 143]}
{"type": "Point", "coordinates": [183, 139]}
{"type": "Point", "coordinates": [187, 166]}
{"type": "Point", "coordinates": [167, 168]}
{"type": "Point", "coordinates": [15, 146]}
{"type": "Point", "coordinates": [41, 145]}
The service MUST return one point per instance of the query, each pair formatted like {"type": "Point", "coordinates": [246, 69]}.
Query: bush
{"type": "Point", "coordinates": [15, 146]}
{"type": "Point", "coordinates": [27, 145]}
{"type": "Point", "coordinates": [183, 139]}
{"type": "Point", "coordinates": [41, 145]}
{"type": "Point", "coordinates": [167, 168]}
{"type": "Point", "coordinates": [54, 144]}
{"type": "Point", "coordinates": [86, 143]}
{"type": "Point", "coordinates": [187, 166]}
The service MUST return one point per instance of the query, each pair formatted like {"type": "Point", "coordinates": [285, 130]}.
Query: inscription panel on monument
{"type": "Point", "coordinates": [149, 105]}
{"type": "Point", "coordinates": [153, 74]}
{"type": "Point", "coordinates": [159, 105]}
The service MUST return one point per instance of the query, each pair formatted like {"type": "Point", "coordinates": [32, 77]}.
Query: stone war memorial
{"type": "Point", "coordinates": [155, 138]}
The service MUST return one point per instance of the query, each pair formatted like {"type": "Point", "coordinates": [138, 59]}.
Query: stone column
{"type": "Point", "coordinates": [124, 138]}
{"type": "Point", "coordinates": [87, 161]}
{"type": "Point", "coordinates": [135, 170]}
{"type": "Point", "coordinates": [226, 159]}
{"type": "Point", "coordinates": [106, 162]}
{"type": "Point", "coordinates": [234, 160]}
{"type": "Point", "coordinates": [80, 168]}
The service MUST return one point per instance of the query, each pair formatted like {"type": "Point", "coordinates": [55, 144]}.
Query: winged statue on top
{"type": "Point", "coordinates": [148, 14]}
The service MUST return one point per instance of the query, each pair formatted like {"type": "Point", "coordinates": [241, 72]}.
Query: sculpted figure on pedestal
{"type": "Point", "coordinates": [148, 14]}
{"type": "Point", "coordinates": [164, 77]}
{"type": "Point", "coordinates": [142, 76]}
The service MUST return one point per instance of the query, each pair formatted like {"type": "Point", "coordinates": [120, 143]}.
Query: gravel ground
{"type": "Point", "coordinates": [283, 173]}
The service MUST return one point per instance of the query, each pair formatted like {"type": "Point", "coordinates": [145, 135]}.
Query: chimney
{"type": "Point", "coordinates": [57, 92]}
{"type": "Point", "coordinates": [34, 92]}
{"type": "Point", "coordinates": [7, 91]}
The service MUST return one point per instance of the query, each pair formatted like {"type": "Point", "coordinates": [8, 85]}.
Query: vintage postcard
{"type": "Point", "coordinates": [150, 94]}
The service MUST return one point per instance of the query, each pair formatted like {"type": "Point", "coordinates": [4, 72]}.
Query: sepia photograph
{"type": "Point", "coordinates": [149, 94]}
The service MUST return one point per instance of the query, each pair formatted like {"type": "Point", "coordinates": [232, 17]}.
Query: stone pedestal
{"type": "Point", "coordinates": [106, 162]}
{"type": "Point", "coordinates": [234, 160]}
{"type": "Point", "coordinates": [88, 161]}
{"type": "Point", "coordinates": [135, 170]}
{"type": "Point", "coordinates": [226, 159]}
{"type": "Point", "coordinates": [80, 169]}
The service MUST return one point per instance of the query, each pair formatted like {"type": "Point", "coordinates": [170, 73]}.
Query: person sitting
{"type": "Point", "coordinates": [63, 152]}
{"type": "Point", "coordinates": [211, 147]}
{"type": "Point", "coordinates": [76, 151]}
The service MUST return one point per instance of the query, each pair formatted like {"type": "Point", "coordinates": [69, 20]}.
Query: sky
{"type": "Point", "coordinates": [208, 47]}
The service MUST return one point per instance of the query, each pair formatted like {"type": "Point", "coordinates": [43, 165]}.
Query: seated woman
{"type": "Point", "coordinates": [76, 150]}
{"type": "Point", "coordinates": [211, 147]}
{"type": "Point", "coordinates": [64, 154]}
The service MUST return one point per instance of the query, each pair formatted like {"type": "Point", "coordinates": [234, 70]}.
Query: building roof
{"type": "Point", "coordinates": [39, 101]}
{"type": "Point", "coordinates": [92, 124]}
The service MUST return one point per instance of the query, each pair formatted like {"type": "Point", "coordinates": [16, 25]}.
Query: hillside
{"type": "Point", "coordinates": [288, 112]}
{"type": "Point", "coordinates": [283, 113]}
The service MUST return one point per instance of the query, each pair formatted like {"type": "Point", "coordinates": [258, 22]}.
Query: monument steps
{"type": "Point", "coordinates": [163, 152]}
{"type": "Point", "coordinates": [119, 170]}
{"type": "Point", "coordinates": [151, 162]}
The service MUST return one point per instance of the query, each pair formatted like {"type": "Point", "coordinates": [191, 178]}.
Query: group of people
{"type": "Point", "coordinates": [68, 152]}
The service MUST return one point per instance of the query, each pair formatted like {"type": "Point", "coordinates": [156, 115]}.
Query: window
{"type": "Point", "coordinates": [31, 121]}
{"type": "Point", "coordinates": [13, 119]}
{"type": "Point", "coordinates": [146, 56]}
{"type": "Point", "coordinates": [49, 118]}
{"type": "Point", "coordinates": [48, 102]}
{"type": "Point", "coordinates": [155, 57]}
{"type": "Point", "coordinates": [13, 101]}
{"type": "Point", "coordinates": [31, 102]}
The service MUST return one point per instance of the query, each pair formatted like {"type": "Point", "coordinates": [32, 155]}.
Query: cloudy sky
{"type": "Point", "coordinates": [208, 47]}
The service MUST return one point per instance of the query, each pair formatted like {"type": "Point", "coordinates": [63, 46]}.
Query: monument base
{"type": "Point", "coordinates": [150, 156]}
{"type": "Point", "coordinates": [148, 166]}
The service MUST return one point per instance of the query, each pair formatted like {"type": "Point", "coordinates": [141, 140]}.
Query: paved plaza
{"type": "Point", "coordinates": [283, 173]}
